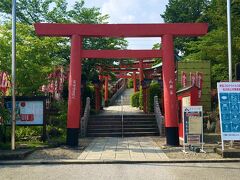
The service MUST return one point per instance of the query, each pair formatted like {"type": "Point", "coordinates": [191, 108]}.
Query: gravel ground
{"type": "Point", "coordinates": [177, 153]}
{"type": "Point", "coordinates": [62, 152]}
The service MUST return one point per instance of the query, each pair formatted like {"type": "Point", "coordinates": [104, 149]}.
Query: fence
{"type": "Point", "coordinates": [84, 119]}
{"type": "Point", "coordinates": [159, 117]}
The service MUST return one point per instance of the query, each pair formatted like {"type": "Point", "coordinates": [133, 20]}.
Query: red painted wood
{"type": "Point", "coordinates": [166, 31]}
{"type": "Point", "coordinates": [145, 61]}
{"type": "Point", "coordinates": [124, 70]}
{"type": "Point", "coordinates": [97, 97]}
{"type": "Point", "coordinates": [193, 94]}
{"type": "Point", "coordinates": [106, 89]}
{"type": "Point", "coordinates": [121, 54]}
{"type": "Point", "coordinates": [121, 30]}
{"type": "Point", "coordinates": [74, 102]}
{"type": "Point", "coordinates": [169, 83]}
{"type": "Point", "coordinates": [134, 82]}
{"type": "Point", "coordinates": [135, 66]}
{"type": "Point", "coordinates": [141, 70]}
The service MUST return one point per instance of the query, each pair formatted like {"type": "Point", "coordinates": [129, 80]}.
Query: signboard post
{"type": "Point", "coordinates": [229, 107]}
{"type": "Point", "coordinates": [30, 111]}
{"type": "Point", "coordinates": [192, 126]}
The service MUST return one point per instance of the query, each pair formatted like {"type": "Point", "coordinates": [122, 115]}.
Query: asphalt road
{"type": "Point", "coordinates": [183, 171]}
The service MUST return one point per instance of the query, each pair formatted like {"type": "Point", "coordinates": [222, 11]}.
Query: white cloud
{"type": "Point", "coordinates": [120, 11]}
{"type": "Point", "coordinates": [132, 11]}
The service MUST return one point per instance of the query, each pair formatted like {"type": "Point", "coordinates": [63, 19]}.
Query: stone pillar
{"type": "Point", "coordinates": [74, 89]}
{"type": "Point", "coordinates": [169, 85]}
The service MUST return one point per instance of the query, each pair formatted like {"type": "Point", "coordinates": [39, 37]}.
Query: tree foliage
{"type": "Point", "coordinates": [37, 56]}
{"type": "Point", "coordinates": [213, 46]}
{"type": "Point", "coordinates": [154, 90]}
{"type": "Point", "coordinates": [184, 11]}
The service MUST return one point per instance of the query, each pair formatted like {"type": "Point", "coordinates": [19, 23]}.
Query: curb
{"type": "Point", "coordinates": [62, 162]}
{"type": "Point", "coordinates": [19, 155]}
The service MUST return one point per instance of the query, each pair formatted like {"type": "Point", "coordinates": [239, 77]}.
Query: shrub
{"type": "Point", "coordinates": [4, 117]}
{"type": "Point", "coordinates": [154, 90]}
{"type": "Point", "coordinates": [130, 83]}
{"type": "Point", "coordinates": [28, 133]}
{"type": "Point", "coordinates": [135, 100]}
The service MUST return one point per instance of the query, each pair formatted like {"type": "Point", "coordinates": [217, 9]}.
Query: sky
{"type": "Point", "coordinates": [131, 11]}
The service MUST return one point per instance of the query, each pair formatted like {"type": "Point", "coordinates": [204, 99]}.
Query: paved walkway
{"type": "Point", "coordinates": [128, 149]}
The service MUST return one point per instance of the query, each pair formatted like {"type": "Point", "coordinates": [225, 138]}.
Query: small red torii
{"type": "Point", "coordinates": [166, 31]}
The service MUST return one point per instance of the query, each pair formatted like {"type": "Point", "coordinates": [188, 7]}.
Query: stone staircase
{"type": "Point", "coordinates": [113, 126]}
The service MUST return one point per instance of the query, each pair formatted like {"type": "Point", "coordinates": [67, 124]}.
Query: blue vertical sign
{"type": "Point", "coordinates": [229, 108]}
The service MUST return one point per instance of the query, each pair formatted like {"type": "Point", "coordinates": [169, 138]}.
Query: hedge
{"type": "Point", "coordinates": [130, 83]}
{"type": "Point", "coordinates": [135, 100]}
{"type": "Point", "coordinates": [154, 90]}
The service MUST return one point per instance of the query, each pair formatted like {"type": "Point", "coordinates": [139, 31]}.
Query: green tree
{"type": "Point", "coordinates": [36, 56]}
{"type": "Point", "coordinates": [184, 11]}
{"type": "Point", "coordinates": [214, 45]}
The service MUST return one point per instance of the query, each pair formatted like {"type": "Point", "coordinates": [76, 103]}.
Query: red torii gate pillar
{"type": "Point", "coordinates": [141, 70]}
{"type": "Point", "coordinates": [169, 90]}
{"type": "Point", "coordinates": [144, 90]}
{"type": "Point", "coordinates": [74, 95]}
{"type": "Point", "coordinates": [97, 88]}
{"type": "Point", "coordinates": [106, 90]}
{"type": "Point", "coordinates": [134, 82]}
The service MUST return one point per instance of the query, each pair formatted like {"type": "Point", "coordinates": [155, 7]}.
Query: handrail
{"type": "Point", "coordinates": [122, 115]}
{"type": "Point", "coordinates": [159, 117]}
{"type": "Point", "coordinates": [84, 119]}
{"type": "Point", "coordinates": [119, 91]}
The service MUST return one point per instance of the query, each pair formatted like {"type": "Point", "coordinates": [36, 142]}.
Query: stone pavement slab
{"type": "Point", "coordinates": [127, 149]}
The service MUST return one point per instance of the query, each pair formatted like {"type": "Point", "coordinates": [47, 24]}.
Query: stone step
{"type": "Point", "coordinates": [120, 125]}
{"type": "Point", "coordinates": [133, 125]}
{"type": "Point", "coordinates": [124, 116]}
{"type": "Point", "coordinates": [119, 129]}
{"type": "Point", "coordinates": [125, 134]}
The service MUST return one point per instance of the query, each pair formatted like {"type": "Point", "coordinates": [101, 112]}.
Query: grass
{"type": "Point", "coordinates": [53, 142]}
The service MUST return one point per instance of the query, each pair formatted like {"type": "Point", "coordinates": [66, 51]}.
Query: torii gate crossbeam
{"type": "Point", "coordinates": [79, 31]}
{"type": "Point", "coordinates": [121, 30]}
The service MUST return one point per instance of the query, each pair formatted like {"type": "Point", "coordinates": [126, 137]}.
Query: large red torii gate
{"type": "Point", "coordinates": [78, 31]}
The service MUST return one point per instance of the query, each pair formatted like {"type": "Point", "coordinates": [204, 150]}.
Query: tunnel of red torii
{"type": "Point", "coordinates": [166, 32]}
{"type": "Point", "coordinates": [122, 71]}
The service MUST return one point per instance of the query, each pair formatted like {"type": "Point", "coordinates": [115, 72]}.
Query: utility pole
{"type": "Point", "coordinates": [13, 74]}
{"type": "Point", "coordinates": [229, 40]}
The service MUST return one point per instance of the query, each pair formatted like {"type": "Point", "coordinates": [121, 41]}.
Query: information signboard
{"type": "Point", "coordinates": [192, 125]}
{"type": "Point", "coordinates": [29, 111]}
{"type": "Point", "coordinates": [229, 107]}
